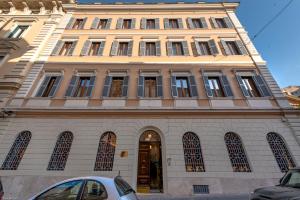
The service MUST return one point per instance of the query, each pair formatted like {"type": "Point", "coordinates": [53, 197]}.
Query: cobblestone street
{"type": "Point", "coordinates": [198, 197]}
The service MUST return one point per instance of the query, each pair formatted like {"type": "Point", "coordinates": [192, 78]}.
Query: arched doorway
{"type": "Point", "coordinates": [150, 172]}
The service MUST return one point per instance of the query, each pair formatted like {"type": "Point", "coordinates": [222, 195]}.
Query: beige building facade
{"type": "Point", "coordinates": [173, 97]}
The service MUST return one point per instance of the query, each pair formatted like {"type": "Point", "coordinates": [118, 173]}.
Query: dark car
{"type": "Point", "coordinates": [288, 188]}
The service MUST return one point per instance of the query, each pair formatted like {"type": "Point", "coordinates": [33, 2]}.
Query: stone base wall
{"type": "Point", "coordinates": [32, 175]}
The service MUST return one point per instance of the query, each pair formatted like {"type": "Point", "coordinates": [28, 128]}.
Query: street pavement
{"type": "Point", "coordinates": [196, 197]}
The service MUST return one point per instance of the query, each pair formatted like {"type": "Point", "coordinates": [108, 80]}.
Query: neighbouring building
{"type": "Point", "coordinates": [292, 94]}
{"type": "Point", "coordinates": [173, 97]}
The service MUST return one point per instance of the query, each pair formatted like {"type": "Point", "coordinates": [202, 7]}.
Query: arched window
{"type": "Point", "coordinates": [236, 153]}
{"type": "Point", "coordinates": [192, 153]}
{"type": "Point", "coordinates": [106, 152]}
{"type": "Point", "coordinates": [17, 151]}
{"type": "Point", "coordinates": [61, 151]}
{"type": "Point", "coordinates": [280, 151]}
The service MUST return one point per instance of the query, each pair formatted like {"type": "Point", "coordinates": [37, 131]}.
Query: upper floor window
{"type": "Point", "coordinates": [253, 85]}
{"type": "Point", "coordinates": [195, 23]}
{"type": "Point", "coordinates": [115, 86]}
{"type": "Point", "coordinates": [175, 48]}
{"type": "Point", "coordinates": [233, 47]}
{"type": "Point", "coordinates": [93, 48]}
{"type": "Point", "coordinates": [206, 48]}
{"type": "Point", "coordinates": [81, 86]}
{"type": "Point", "coordinates": [76, 23]}
{"type": "Point", "coordinates": [173, 23]}
{"type": "Point", "coordinates": [150, 86]}
{"type": "Point", "coordinates": [64, 48]}
{"type": "Point", "coordinates": [126, 23]}
{"type": "Point", "coordinates": [183, 86]}
{"type": "Point", "coordinates": [49, 86]}
{"type": "Point", "coordinates": [236, 153]}
{"type": "Point", "coordinates": [17, 151]}
{"type": "Point", "coordinates": [217, 85]}
{"type": "Point", "coordinates": [101, 23]}
{"type": "Point", "coordinates": [18, 31]}
{"type": "Point", "coordinates": [121, 48]}
{"type": "Point", "coordinates": [149, 23]}
{"type": "Point", "coordinates": [224, 22]}
{"type": "Point", "coordinates": [150, 48]}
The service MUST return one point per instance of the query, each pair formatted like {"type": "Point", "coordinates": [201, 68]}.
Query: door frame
{"type": "Point", "coordinates": [163, 154]}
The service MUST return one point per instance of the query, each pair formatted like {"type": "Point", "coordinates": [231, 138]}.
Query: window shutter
{"type": "Point", "coordinates": [100, 51]}
{"type": "Point", "coordinates": [107, 84]}
{"type": "Point", "coordinates": [157, 23]}
{"type": "Point", "coordinates": [241, 47]}
{"type": "Point", "coordinates": [119, 23]}
{"type": "Point", "coordinates": [228, 22]}
{"type": "Point", "coordinates": [83, 23]}
{"type": "Point", "coordinates": [173, 86]}
{"type": "Point", "coordinates": [242, 86]}
{"type": "Point", "coordinates": [91, 86]}
{"type": "Point", "coordinates": [166, 23]}
{"type": "Point", "coordinates": [190, 23]}
{"type": "Point", "coordinates": [86, 48]}
{"type": "Point", "coordinates": [130, 45]}
{"type": "Point", "coordinates": [142, 48]}
{"type": "Point", "coordinates": [203, 22]}
{"type": "Point", "coordinates": [114, 48]}
{"type": "Point", "coordinates": [43, 86]}
{"type": "Point", "coordinates": [55, 86]}
{"type": "Point", "coordinates": [70, 24]}
{"type": "Point", "coordinates": [141, 86]}
{"type": "Point", "coordinates": [262, 86]}
{"type": "Point", "coordinates": [193, 85]}
{"type": "Point", "coordinates": [143, 23]}
{"type": "Point", "coordinates": [169, 48]}
{"type": "Point", "coordinates": [73, 82]}
{"type": "Point", "coordinates": [72, 48]}
{"type": "Point", "coordinates": [159, 83]}
{"type": "Point", "coordinates": [57, 48]}
{"type": "Point", "coordinates": [226, 86]}
{"type": "Point", "coordinates": [108, 23]}
{"type": "Point", "coordinates": [95, 23]}
{"type": "Point", "coordinates": [185, 48]}
{"type": "Point", "coordinates": [213, 47]}
{"type": "Point", "coordinates": [180, 23]}
{"type": "Point", "coordinates": [125, 86]}
{"type": "Point", "coordinates": [225, 47]}
{"type": "Point", "coordinates": [214, 23]}
{"type": "Point", "coordinates": [197, 45]}
{"type": "Point", "coordinates": [158, 49]}
{"type": "Point", "coordinates": [133, 23]}
{"type": "Point", "coordinates": [207, 87]}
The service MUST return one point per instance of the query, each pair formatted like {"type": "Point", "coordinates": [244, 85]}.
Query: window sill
{"type": "Point", "coordinates": [114, 98]}
{"type": "Point", "coordinates": [150, 98]}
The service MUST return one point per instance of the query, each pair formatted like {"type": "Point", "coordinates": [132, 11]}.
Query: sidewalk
{"type": "Point", "coordinates": [195, 197]}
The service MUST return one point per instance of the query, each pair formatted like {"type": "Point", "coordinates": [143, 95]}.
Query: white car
{"type": "Point", "coordinates": [88, 188]}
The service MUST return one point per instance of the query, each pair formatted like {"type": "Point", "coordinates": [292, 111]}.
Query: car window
{"type": "Point", "coordinates": [122, 186]}
{"type": "Point", "coordinates": [94, 190]}
{"type": "Point", "coordinates": [294, 179]}
{"type": "Point", "coordinates": [65, 191]}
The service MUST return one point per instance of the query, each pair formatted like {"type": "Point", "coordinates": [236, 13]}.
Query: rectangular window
{"type": "Point", "coordinates": [78, 24]}
{"type": "Point", "coordinates": [216, 87]}
{"type": "Point", "coordinates": [183, 88]}
{"type": "Point", "coordinates": [123, 49]}
{"type": "Point", "coordinates": [65, 49]}
{"type": "Point", "coordinates": [197, 23]}
{"type": "Point", "coordinates": [250, 86]}
{"type": "Point", "coordinates": [177, 49]}
{"type": "Point", "coordinates": [82, 87]}
{"type": "Point", "coordinates": [48, 87]}
{"type": "Point", "coordinates": [116, 87]}
{"type": "Point", "coordinates": [150, 24]}
{"type": "Point", "coordinates": [204, 48]}
{"type": "Point", "coordinates": [127, 24]}
{"type": "Point", "coordinates": [221, 23]}
{"type": "Point", "coordinates": [233, 48]}
{"type": "Point", "coordinates": [150, 49]}
{"type": "Point", "coordinates": [18, 31]}
{"type": "Point", "coordinates": [95, 46]}
{"type": "Point", "coordinates": [1, 58]}
{"type": "Point", "coordinates": [150, 87]}
{"type": "Point", "coordinates": [102, 23]}
{"type": "Point", "coordinates": [173, 23]}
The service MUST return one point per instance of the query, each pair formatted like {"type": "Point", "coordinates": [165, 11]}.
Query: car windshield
{"type": "Point", "coordinates": [291, 179]}
{"type": "Point", "coordinates": [122, 186]}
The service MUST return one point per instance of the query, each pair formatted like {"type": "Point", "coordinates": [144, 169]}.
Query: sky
{"type": "Point", "coordinates": [279, 44]}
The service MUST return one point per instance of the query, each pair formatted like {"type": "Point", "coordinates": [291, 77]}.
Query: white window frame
{"type": "Point", "coordinates": [15, 26]}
